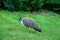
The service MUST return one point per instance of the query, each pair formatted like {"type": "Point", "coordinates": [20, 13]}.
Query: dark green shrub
{"type": "Point", "coordinates": [28, 4]}
{"type": "Point", "coordinates": [52, 4]}
{"type": "Point", "coordinates": [53, 1]}
{"type": "Point", "coordinates": [23, 4]}
{"type": "Point", "coordinates": [8, 4]}
{"type": "Point", "coordinates": [36, 4]}
{"type": "Point", "coordinates": [1, 3]}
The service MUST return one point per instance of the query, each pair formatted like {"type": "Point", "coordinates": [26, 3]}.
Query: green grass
{"type": "Point", "coordinates": [11, 28]}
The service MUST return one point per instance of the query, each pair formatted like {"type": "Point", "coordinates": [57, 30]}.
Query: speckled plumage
{"type": "Point", "coordinates": [29, 22]}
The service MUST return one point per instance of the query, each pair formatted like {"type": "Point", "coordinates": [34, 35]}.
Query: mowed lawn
{"type": "Point", "coordinates": [11, 28]}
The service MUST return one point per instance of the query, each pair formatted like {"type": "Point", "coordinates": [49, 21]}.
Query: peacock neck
{"type": "Point", "coordinates": [20, 19]}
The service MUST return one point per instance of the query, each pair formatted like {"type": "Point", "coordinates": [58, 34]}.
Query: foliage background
{"type": "Point", "coordinates": [30, 5]}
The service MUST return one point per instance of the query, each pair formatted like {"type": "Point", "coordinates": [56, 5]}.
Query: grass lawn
{"type": "Point", "coordinates": [11, 28]}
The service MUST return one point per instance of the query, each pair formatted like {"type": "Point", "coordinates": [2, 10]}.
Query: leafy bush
{"type": "Point", "coordinates": [30, 4]}
{"type": "Point", "coordinates": [1, 3]}
{"type": "Point", "coordinates": [52, 4]}
{"type": "Point", "coordinates": [8, 4]}
{"type": "Point", "coordinates": [23, 4]}
{"type": "Point", "coordinates": [36, 4]}
{"type": "Point", "coordinates": [53, 1]}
